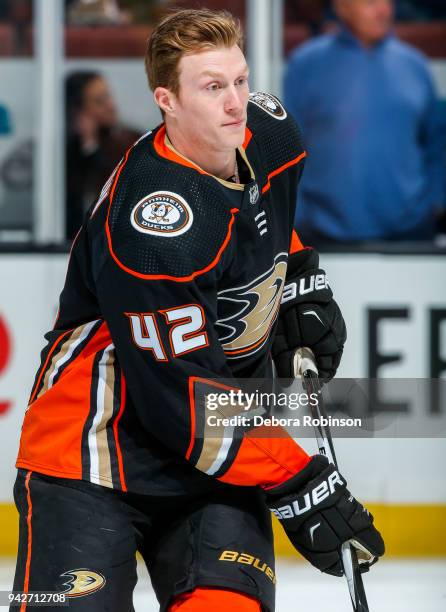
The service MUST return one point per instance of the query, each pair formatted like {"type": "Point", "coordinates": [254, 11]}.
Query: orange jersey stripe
{"type": "Point", "coordinates": [277, 171]}
{"type": "Point", "coordinates": [296, 244]}
{"type": "Point", "coordinates": [248, 136]}
{"type": "Point", "coordinates": [115, 433]}
{"type": "Point", "coordinates": [30, 540]}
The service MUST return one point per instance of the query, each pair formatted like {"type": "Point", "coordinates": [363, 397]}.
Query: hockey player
{"type": "Point", "coordinates": [174, 283]}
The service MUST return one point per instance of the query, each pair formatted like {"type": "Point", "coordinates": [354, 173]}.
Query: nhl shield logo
{"type": "Point", "coordinates": [269, 103]}
{"type": "Point", "coordinates": [162, 213]}
{"type": "Point", "coordinates": [253, 194]}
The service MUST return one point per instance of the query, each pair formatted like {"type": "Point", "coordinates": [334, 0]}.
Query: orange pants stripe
{"type": "Point", "coordinates": [204, 599]}
{"type": "Point", "coordinates": [24, 606]}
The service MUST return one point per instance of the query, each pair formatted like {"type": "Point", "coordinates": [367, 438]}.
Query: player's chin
{"type": "Point", "coordinates": [234, 135]}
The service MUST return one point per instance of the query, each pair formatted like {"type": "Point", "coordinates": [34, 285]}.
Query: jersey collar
{"type": "Point", "coordinates": [165, 149]}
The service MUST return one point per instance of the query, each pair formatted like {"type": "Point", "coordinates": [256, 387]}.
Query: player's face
{"type": "Point", "coordinates": [213, 97]}
{"type": "Point", "coordinates": [371, 20]}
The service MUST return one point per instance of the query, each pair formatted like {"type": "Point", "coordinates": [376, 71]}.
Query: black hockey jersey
{"type": "Point", "coordinates": [174, 283]}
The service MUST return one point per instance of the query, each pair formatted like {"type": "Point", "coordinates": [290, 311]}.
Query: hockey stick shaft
{"type": "Point", "coordinates": [305, 365]}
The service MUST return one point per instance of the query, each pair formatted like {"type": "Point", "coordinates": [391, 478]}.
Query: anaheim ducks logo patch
{"type": "Point", "coordinates": [250, 311]}
{"type": "Point", "coordinates": [162, 213]}
{"type": "Point", "coordinates": [269, 104]}
{"type": "Point", "coordinates": [82, 582]}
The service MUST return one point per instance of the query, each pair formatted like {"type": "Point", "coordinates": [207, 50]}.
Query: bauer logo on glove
{"type": "Point", "coordinates": [315, 282]}
{"type": "Point", "coordinates": [304, 503]}
{"type": "Point", "coordinates": [319, 514]}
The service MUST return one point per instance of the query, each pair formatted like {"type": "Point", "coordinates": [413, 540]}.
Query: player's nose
{"type": "Point", "coordinates": [233, 101]}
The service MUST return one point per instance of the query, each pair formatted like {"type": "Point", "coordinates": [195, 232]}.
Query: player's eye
{"type": "Point", "coordinates": [242, 81]}
{"type": "Point", "coordinates": [213, 86]}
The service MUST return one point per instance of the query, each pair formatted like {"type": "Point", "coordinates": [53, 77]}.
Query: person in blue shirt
{"type": "Point", "coordinates": [367, 108]}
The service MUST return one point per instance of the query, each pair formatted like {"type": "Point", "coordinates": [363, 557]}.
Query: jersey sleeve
{"type": "Point", "coordinates": [158, 297]}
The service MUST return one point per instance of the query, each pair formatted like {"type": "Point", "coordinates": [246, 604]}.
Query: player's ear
{"type": "Point", "coordinates": [165, 99]}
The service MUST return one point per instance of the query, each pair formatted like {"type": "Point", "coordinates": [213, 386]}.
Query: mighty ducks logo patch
{"type": "Point", "coordinates": [249, 312]}
{"type": "Point", "coordinates": [82, 582]}
{"type": "Point", "coordinates": [162, 213]}
{"type": "Point", "coordinates": [269, 103]}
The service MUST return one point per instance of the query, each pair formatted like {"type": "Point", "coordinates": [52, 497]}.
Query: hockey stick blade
{"type": "Point", "coordinates": [305, 366]}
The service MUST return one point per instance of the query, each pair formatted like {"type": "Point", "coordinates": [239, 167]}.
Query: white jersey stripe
{"type": "Point", "coordinates": [222, 455]}
{"type": "Point", "coordinates": [100, 397]}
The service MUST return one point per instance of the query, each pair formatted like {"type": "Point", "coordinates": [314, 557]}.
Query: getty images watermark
{"type": "Point", "coordinates": [249, 405]}
{"type": "Point", "coordinates": [355, 408]}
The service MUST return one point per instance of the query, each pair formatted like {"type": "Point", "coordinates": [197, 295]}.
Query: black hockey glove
{"type": "Point", "coordinates": [309, 317]}
{"type": "Point", "coordinates": [319, 514]}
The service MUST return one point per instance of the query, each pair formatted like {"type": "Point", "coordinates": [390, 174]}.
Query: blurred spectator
{"type": "Point", "coordinates": [367, 108]}
{"type": "Point", "coordinates": [316, 13]}
{"type": "Point", "coordinates": [19, 14]}
{"type": "Point", "coordinates": [95, 142]}
{"type": "Point", "coordinates": [144, 11]}
{"type": "Point", "coordinates": [93, 12]}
